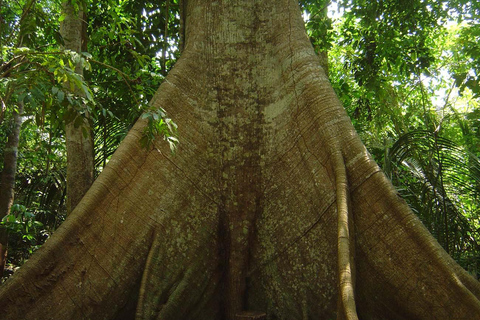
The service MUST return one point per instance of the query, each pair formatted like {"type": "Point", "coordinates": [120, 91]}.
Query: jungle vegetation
{"type": "Point", "coordinates": [406, 74]}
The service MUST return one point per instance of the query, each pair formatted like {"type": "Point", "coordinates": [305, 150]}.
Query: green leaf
{"type": "Point", "coordinates": [87, 55]}
{"type": "Point", "coordinates": [60, 96]}
{"type": "Point", "coordinates": [21, 97]}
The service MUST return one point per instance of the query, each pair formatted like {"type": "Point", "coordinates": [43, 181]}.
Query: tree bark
{"type": "Point", "coordinates": [271, 202]}
{"type": "Point", "coordinates": [79, 140]}
{"type": "Point", "coordinates": [7, 181]}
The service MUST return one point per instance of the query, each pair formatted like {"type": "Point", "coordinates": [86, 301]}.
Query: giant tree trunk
{"type": "Point", "coordinates": [271, 202]}
{"type": "Point", "coordinates": [79, 139]}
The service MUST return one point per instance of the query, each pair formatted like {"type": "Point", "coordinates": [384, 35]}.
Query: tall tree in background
{"type": "Point", "coordinates": [35, 71]}
{"type": "Point", "coordinates": [270, 203]}
{"type": "Point", "coordinates": [78, 133]}
{"type": "Point", "coordinates": [10, 154]}
{"type": "Point", "coordinates": [7, 180]}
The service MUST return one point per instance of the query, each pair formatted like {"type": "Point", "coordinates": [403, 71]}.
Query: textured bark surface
{"type": "Point", "coordinates": [7, 180]}
{"type": "Point", "coordinates": [271, 202]}
{"type": "Point", "coordinates": [79, 142]}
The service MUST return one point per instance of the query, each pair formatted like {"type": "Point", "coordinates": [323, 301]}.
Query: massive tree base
{"type": "Point", "coordinates": [271, 202]}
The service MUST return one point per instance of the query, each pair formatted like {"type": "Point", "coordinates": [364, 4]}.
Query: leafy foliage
{"type": "Point", "coordinates": [36, 78]}
{"type": "Point", "coordinates": [159, 125]}
{"type": "Point", "coordinates": [406, 74]}
{"type": "Point", "coordinates": [440, 180]}
{"type": "Point", "coordinates": [136, 40]}
{"type": "Point", "coordinates": [26, 235]}
{"type": "Point", "coordinates": [122, 70]}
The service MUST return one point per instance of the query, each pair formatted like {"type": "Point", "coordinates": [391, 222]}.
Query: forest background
{"type": "Point", "coordinates": [405, 71]}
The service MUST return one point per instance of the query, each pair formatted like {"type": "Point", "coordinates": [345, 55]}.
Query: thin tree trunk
{"type": "Point", "coordinates": [322, 52]}
{"type": "Point", "coordinates": [7, 181]}
{"type": "Point", "coordinates": [79, 140]}
{"type": "Point", "coordinates": [163, 61]}
{"type": "Point", "coordinates": [271, 202]}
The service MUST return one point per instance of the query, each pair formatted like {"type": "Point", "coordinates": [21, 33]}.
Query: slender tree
{"type": "Point", "coordinates": [271, 202]}
{"type": "Point", "coordinates": [7, 180]}
{"type": "Point", "coordinates": [78, 134]}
